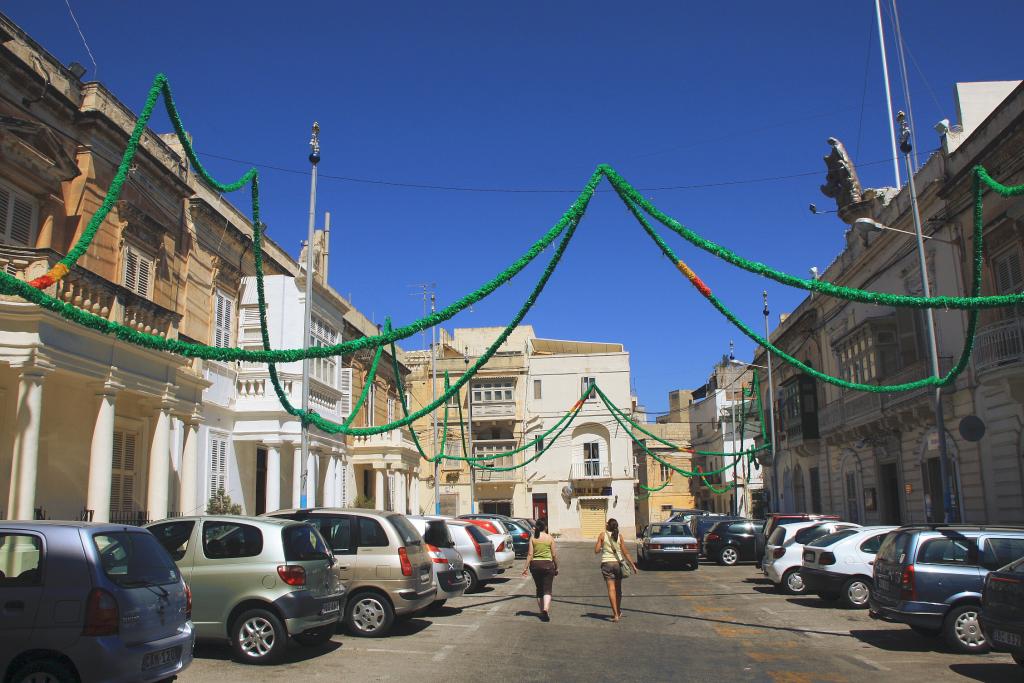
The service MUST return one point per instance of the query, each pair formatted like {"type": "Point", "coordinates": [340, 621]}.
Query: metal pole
{"type": "Point", "coordinates": [433, 415]}
{"type": "Point", "coordinates": [314, 159]}
{"type": "Point", "coordinates": [933, 348]}
{"type": "Point", "coordinates": [472, 471]}
{"type": "Point", "coordinates": [771, 404]}
{"type": "Point", "coordinates": [888, 93]}
{"type": "Point", "coordinates": [732, 415]}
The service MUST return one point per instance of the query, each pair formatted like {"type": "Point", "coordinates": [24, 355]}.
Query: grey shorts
{"type": "Point", "coordinates": [611, 570]}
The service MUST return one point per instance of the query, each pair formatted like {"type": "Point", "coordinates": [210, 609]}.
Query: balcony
{"type": "Point", "coordinates": [999, 345]}
{"type": "Point", "coordinates": [914, 371]}
{"type": "Point", "coordinates": [590, 470]}
{"type": "Point", "coordinates": [484, 475]}
{"type": "Point", "coordinates": [90, 292]}
{"type": "Point", "coordinates": [494, 410]}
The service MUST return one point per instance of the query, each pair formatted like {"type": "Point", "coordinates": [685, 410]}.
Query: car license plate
{"type": "Point", "coordinates": [425, 576]}
{"type": "Point", "coordinates": [153, 660]}
{"type": "Point", "coordinates": [1006, 638]}
{"type": "Point", "coordinates": [330, 607]}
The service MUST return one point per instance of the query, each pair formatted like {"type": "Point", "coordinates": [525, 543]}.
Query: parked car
{"type": "Point", "coordinates": [931, 578]}
{"type": "Point", "coordinates": [477, 553]}
{"type": "Point", "coordinates": [90, 602]}
{"type": "Point", "coordinates": [783, 564]}
{"type": "Point", "coordinates": [1002, 610]}
{"type": "Point", "coordinates": [667, 542]}
{"type": "Point", "coordinates": [519, 531]}
{"type": "Point", "coordinates": [499, 536]}
{"type": "Point", "coordinates": [529, 524]}
{"type": "Point", "coordinates": [381, 559]}
{"type": "Point", "coordinates": [839, 566]}
{"type": "Point", "coordinates": [255, 581]}
{"type": "Point", "coordinates": [731, 541]}
{"type": "Point", "coordinates": [702, 524]}
{"type": "Point", "coordinates": [783, 518]}
{"type": "Point", "coordinates": [449, 575]}
{"type": "Point", "coordinates": [773, 540]}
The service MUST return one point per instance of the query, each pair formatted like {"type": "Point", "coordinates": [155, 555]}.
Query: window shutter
{"type": "Point", "coordinates": [115, 477]}
{"type": "Point", "coordinates": [21, 222]}
{"type": "Point", "coordinates": [131, 270]}
{"type": "Point", "coordinates": [122, 477]}
{"type": "Point", "coordinates": [1009, 274]}
{"type": "Point", "coordinates": [346, 391]}
{"type": "Point", "coordinates": [218, 463]}
{"type": "Point", "coordinates": [5, 207]}
{"type": "Point", "coordinates": [222, 318]}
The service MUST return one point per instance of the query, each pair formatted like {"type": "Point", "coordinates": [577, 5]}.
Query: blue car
{"type": "Point", "coordinates": [931, 578]}
{"type": "Point", "coordinates": [90, 602]}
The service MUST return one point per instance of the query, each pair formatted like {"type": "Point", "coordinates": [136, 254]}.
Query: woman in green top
{"type": "Point", "coordinates": [542, 562]}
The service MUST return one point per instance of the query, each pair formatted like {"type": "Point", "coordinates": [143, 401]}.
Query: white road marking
{"type": "Point", "coordinates": [451, 625]}
{"type": "Point", "coordinates": [441, 654]}
{"type": "Point", "coordinates": [494, 608]}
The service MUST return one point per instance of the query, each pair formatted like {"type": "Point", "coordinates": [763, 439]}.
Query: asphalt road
{"type": "Point", "coordinates": [713, 624]}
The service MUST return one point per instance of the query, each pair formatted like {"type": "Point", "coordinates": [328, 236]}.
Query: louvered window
{"type": "Point", "coordinates": [138, 272]}
{"type": "Point", "coordinates": [1008, 272]}
{"type": "Point", "coordinates": [371, 397]}
{"type": "Point", "coordinates": [218, 462]}
{"type": "Point", "coordinates": [322, 334]}
{"type": "Point", "coordinates": [223, 319]}
{"type": "Point", "coordinates": [122, 477]}
{"type": "Point", "coordinates": [18, 214]}
{"type": "Point", "coordinates": [345, 404]}
{"type": "Point", "coordinates": [391, 410]}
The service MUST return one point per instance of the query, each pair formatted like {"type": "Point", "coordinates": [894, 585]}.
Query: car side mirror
{"type": "Point", "coordinates": [871, 563]}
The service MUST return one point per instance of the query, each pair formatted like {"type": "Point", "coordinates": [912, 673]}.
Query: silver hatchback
{"type": "Point", "coordinates": [90, 602]}
{"type": "Point", "coordinates": [449, 576]}
{"type": "Point", "coordinates": [479, 563]}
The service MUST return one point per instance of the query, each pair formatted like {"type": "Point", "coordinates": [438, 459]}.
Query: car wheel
{"type": "Point", "coordinates": [855, 593]}
{"type": "Point", "coordinates": [258, 637]}
{"type": "Point", "coordinates": [793, 583]}
{"type": "Point", "coordinates": [694, 566]}
{"type": "Point", "coordinates": [962, 630]}
{"type": "Point", "coordinates": [728, 556]}
{"type": "Point", "coordinates": [369, 615]}
{"type": "Point", "coordinates": [44, 671]}
{"type": "Point", "coordinates": [472, 582]}
{"type": "Point", "coordinates": [317, 636]}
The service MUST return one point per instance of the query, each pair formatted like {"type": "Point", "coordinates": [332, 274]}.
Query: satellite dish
{"type": "Point", "coordinates": [567, 491]}
{"type": "Point", "coordinates": [972, 428]}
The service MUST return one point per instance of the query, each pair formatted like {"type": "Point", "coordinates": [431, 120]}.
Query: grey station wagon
{"type": "Point", "coordinates": [255, 581]}
{"type": "Point", "coordinates": [89, 602]}
{"type": "Point", "coordinates": [931, 578]}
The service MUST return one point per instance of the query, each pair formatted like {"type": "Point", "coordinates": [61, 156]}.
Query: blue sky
{"type": "Point", "coordinates": [533, 95]}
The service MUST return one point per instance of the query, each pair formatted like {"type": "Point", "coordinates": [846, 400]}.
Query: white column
{"type": "Point", "coordinates": [329, 500]}
{"type": "Point", "coordinates": [415, 485]}
{"type": "Point", "coordinates": [404, 505]}
{"type": "Point", "coordinates": [101, 456]}
{"type": "Point", "coordinates": [159, 464]}
{"type": "Point", "coordinates": [22, 498]}
{"type": "Point", "coordinates": [379, 491]}
{"type": "Point", "coordinates": [273, 501]}
{"type": "Point", "coordinates": [312, 470]}
{"type": "Point", "coordinates": [296, 476]}
{"type": "Point", "coordinates": [188, 492]}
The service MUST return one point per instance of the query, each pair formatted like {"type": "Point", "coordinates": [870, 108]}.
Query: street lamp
{"type": "Point", "coordinates": [746, 466]}
{"type": "Point", "coordinates": [867, 225]}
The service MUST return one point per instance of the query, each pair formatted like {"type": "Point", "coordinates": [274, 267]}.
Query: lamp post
{"type": "Point", "coordinates": [933, 348]}
{"type": "Point", "coordinates": [472, 470]}
{"type": "Point", "coordinates": [746, 462]}
{"type": "Point", "coordinates": [314, 159]}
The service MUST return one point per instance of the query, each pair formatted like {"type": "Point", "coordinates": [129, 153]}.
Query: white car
{"type": "Point", "coordinates": [839, 566]}
{"type": "Point", "coordinates": [782, 566]}
{"type": "Point", "coordinates": [500, 537]}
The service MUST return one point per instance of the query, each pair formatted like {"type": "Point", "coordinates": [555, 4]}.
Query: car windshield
{"type": "Point", "coordinates": [830, 539]}
{"type": "Point", "coordinates": [669, 530]}
{"type": "Point", "coordinates": [810, 534]}
{"type": "Point", "coordinates": [302, 542]}
{"type": "Point", "coordinates": [778, 536]}
{"type": "Point", "coordinates": [436, 534]}
{"type": "Point", "coordinates": [477, 533]}
{"type": "Point", "coordinates": [135, 559]}
{"type": "Point", "coordinates": [406, 530]}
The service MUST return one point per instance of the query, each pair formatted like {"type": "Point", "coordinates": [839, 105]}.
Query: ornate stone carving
{"type": "Point", "coordinates": [841, 181]}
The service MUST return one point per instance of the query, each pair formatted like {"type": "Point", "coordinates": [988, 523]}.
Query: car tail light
{"type": "Point", "coordinates": [101, 614]}
{"type": "Point", "coordinates": [655, 546]}
{"type": "Point", "coordinates": [689, 546]}
{"type": "Point", "coordinates": [188, 602]}
{"type": "Point", "coordinates": [525, 536]}
{"type": "Point", "coordinates": [292, 574]}
{"type": "Point", "coordinates": [501, 547]}
{"type": "Point", "coordinates": [907, 591]}
{"type": "Point", "coordinates": [436, 556]}
{"type": "Point", "coordinates": [826, 558]}
{"type": "Point", "coordinates": [778, 552]}
{"type": "Point", "coordinates": [476, 544]}
{"type": "Point", "coordinates": [403, 556]}
{"type": "Point", "coordinates": [712, 537]}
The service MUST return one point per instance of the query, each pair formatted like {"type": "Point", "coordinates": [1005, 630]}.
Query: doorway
{"type": "Point", "coordinates": [496, 507]}
{"type": "Point", "coordinates": [540, 506]}
{"type": "Point", "coordinates": [261, 480]}
{"type": "Point", "coordinates": [890, 484]}
{"type": "Point", "coordinates": [449, 504]}
{"type": "Point", "coordinates": [935, 506]}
